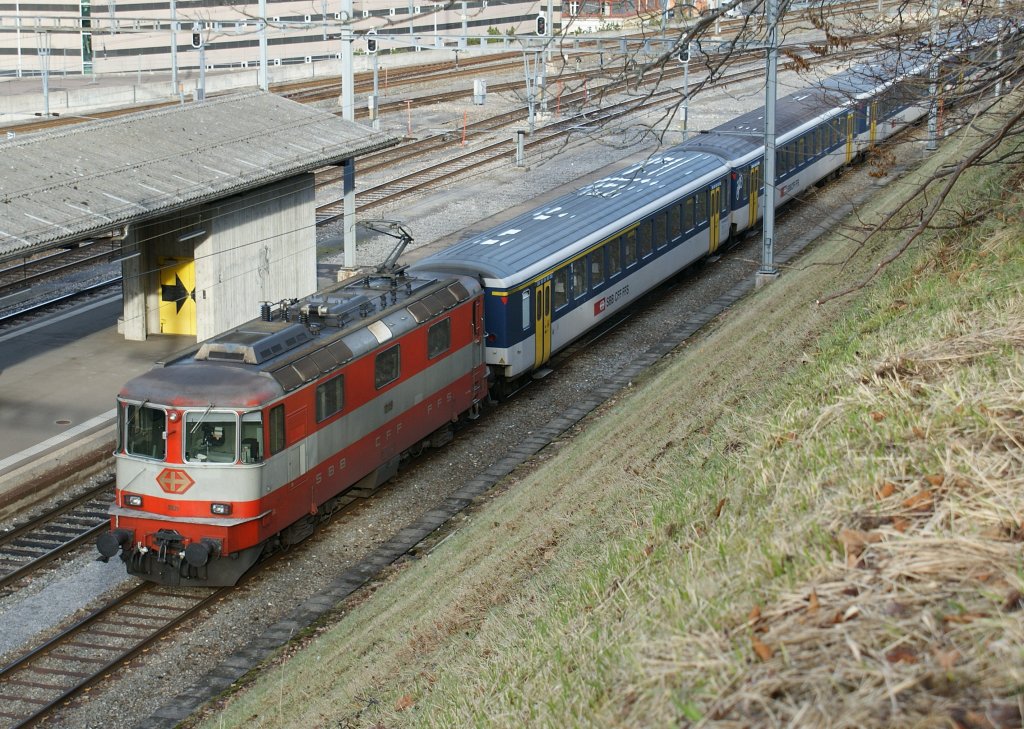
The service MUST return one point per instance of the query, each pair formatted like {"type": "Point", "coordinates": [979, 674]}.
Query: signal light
{"type": "Point", "coordinates": [371, 42]}
{"type": "Point", "coordinates": [542, 24]}
{"type": "Point", "coordinates": [683, 55]}
{"type": "Point", "coordinates": [132, 500]}
{"type": "Point", "coordinates": [197, 40]}
{"type": "Point", "coordinates": [220, 509]}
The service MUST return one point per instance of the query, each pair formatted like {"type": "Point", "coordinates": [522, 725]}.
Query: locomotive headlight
{"type": "Point", "coordinates": [220, 509]}
{"type": "Point", "coordinates": [132, 500]}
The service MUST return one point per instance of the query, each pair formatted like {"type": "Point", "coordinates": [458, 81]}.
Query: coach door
{"type": "Point", "coordinates": [849, 138]}
{"type": "Point", "coordinates": [873, 114]}
{"type": "Point", "coordinates": [714, 218]}
{"type": "Point", "coordinates": [542, 322]}
{"type": "Point", "coordinates": [755, 192]}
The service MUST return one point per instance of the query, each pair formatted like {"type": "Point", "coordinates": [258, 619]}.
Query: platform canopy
{"type": "Point", "coordinates": [89, 179]}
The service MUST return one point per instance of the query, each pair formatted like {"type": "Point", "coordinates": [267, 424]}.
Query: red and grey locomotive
{"type": "Point", "coordinates": [245, 441]}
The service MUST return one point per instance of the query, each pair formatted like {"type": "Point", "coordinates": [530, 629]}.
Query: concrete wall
{"type": "Point", "coordinates": [260, 246]}
{"type": "Point", "coordinates": [250, 248]}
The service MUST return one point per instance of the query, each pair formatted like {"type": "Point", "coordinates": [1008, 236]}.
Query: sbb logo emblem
{"type": "Point", "coordinates": [174, 480]}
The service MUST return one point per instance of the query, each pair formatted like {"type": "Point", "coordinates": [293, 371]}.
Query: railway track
{"type": "Point", "coordinates": [84, 653]}
{"type": "Point", "coordinates": [36, 543]}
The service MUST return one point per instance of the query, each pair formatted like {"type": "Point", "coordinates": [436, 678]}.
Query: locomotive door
{"type": "Point", "coordinates": [542, 322]}
{"type": "Point", "coordinates": [177, 295]}
{"type": "Point", "coordinates": [714, 218]}
{"type": "Point", "coordinates": [755, 191]}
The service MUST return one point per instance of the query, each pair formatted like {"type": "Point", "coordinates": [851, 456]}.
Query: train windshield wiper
{"type": "Point", "coordinates": [201, 418]}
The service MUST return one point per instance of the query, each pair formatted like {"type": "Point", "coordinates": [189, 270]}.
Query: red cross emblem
{"type": "Point", "coordinates": [174, 480]}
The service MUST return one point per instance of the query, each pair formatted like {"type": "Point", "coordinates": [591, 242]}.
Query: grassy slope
{"type": "Point", "coordinates": [809, 514]}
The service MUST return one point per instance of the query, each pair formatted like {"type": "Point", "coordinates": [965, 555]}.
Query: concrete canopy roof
{"type": "Point", "coordinates": [79, 181]}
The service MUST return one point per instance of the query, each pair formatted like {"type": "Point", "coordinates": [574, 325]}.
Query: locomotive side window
{"type": "Point", "coordinates": [439, 338]}
{"type": "Point", "coordinates": [252, 437]}
{"type": "Point", "coordinates": [277, 432]}
{"type": "Point", "coordinates": [386, 369]}
{"type": "Point", "coordinates": [144, 429]}
{"type": "Point", "coordinates": [561, 287]}
{"type": "Point", "coordinates": [579, 278]}
{"type": "Point", "coordinates": [210, 437]}
{"type": "Point", "coordinates": [330, 397]}
{"type": "Point", "coordinates": [527, 316]}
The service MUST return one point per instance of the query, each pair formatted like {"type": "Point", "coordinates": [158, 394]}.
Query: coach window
{"type": "Point", "coordinates": [614, 256]}
{"type": "Point", "coordinates": [387, 367]}
{"type": "Point", "coordinates": [330, 398]}
{"type": "Point", "coordinates": [527, 316]}
{"type": "Point", "coordinates": [144, 429]}
{"type": "Point", "coordinates": [660, 232]}
{"type": "Point", "coordinates": [579, 277]}
{"type": "Point", "coordinates": [702, 207]}
{"type": "Point", "coordinates": [688, 214]}
{"type": "Point", "coordinates": [276, 440]}
{"type": "Point", "coordinates": [252, 437]}
{"type": "Point", "coordinates": [675, 225]}
{"type": "Point", "coordinates": [439, 338]}
{"type": "Point", "coordinates": [631, 244]}
{"type": "Point", "coordinates": [596, 267]}
{"type": "Point", "coordinates": [560, 293]}
{"type": "Point", "coordinates": [210, 436]}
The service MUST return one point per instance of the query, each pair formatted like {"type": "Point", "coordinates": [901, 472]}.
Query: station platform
{"type": "Point", "coordinates": [58, 381]}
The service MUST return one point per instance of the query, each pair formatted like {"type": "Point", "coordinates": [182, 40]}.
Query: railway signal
{"type": "Point", "coordinates": [197, 37]}
{"type": "Point", "coordinates": [542, 24]}
{"type": "Point", "coordinates": [371, 41]}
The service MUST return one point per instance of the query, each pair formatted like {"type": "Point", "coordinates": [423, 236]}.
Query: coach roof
{"type": "Point", "coordinates": [574, 221]}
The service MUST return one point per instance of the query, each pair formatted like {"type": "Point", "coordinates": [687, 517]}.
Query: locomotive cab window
{"type": "Point", "coordinates": [144, 429]}
{"type": "Point", "coordinates": [330, 398]}
{"type": "Point", "coordinates": [439, 338]}
{"type": "Point", "coordinates": [252, 437]}
{"type": "Point", "coordinates": [210, 436]}
{"type": "Point", "coordinates": [387, 367]}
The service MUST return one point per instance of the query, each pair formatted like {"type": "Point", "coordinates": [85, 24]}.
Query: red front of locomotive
{"type": "Point", "coordinates": [190, 491]}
